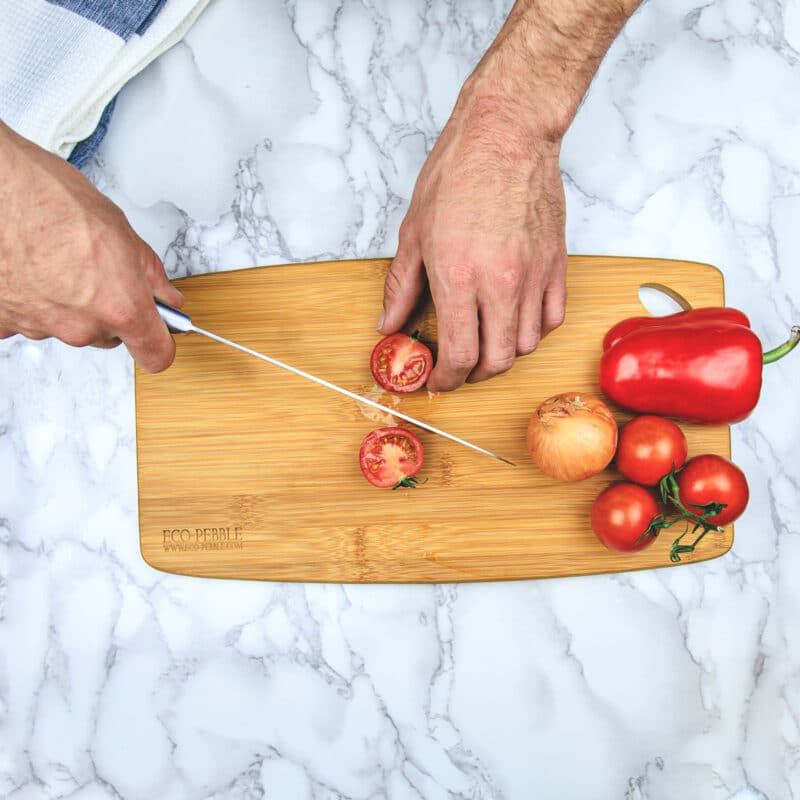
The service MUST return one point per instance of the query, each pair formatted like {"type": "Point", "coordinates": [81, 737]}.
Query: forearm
{"type": "Point", "coordinates": [545, 57]}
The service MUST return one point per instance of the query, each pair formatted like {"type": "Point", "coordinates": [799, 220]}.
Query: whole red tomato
{"type": "Point", "coordinates": [712, 478]}
{"type": "Point", "coordinates": [649, 448]}
{"type": "Point", "coordinates": [621, 515]}
{"type": "Point", "coordinates": [391, 457]}
{"type": "Point", "coordinates": [401, 363]}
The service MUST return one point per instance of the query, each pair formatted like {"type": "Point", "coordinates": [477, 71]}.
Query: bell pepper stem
{"type": "Point", "coordinates": [781, 350]}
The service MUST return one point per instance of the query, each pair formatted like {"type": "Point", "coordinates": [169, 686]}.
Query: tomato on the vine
{"type": "Point", "coordinates": [391, 457]}
{"type": "Point", "coordinates": [649, 448]}
{"type": "Point", "coordinates": [713, 479]}
{"type": "Point", "coordinates": [401, 363]}
{"type": "Point", "coordinates": [621, 517]}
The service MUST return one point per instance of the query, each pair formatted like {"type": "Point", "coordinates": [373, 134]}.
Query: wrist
{"type": "Point", "coordinates": [544, 58]}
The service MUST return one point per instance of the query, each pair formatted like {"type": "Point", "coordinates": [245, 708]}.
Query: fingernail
{"type": "Point", "coordinates": [381, 319]}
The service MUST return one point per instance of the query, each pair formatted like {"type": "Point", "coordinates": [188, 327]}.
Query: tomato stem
{"type": "Point", "coordinates": [678, 548]}
{"type": "Point", "coordinates": [670, 493]}
{"type": "Point", "coordinates": [408, 483]}
{"type": "Point", "coordinates": [657, 524]}
{"type": "Point", "coordinates": [781, 350]}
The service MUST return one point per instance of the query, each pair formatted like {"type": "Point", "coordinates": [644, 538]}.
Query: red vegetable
{"type": "Point", "coordinates": [713, 479]}
{"type": "Point", "coordinates": [708, 371]}
{"type": "Point", "coordinates": [709, 491]}
{"type": "Point", "coordinates": [708, 314]}
{"type": "Point", "coordinates": [625, 517]}
{"type": "Point", "coordinates": [391, 457]}
{"type": "Point", "coordinates": [650, 448]}
{"type": "Point", "coordinates": [401, 363]}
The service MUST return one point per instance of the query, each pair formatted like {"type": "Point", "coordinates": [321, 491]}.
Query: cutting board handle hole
{"type": "Point", "coordinates": [660, 300]}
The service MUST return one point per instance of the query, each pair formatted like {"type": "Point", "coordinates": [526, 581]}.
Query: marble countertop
{"type": "Point", "coordinates": [294, 131]}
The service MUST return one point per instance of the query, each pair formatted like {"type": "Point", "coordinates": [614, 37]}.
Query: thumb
{"type": "Point", "coordinates": [404, 284]}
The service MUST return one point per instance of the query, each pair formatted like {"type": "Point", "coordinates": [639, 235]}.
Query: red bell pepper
{"type": "Point", "coordinates": [694, 370]}
{"type": "Point", "coordinates": [706, 314]}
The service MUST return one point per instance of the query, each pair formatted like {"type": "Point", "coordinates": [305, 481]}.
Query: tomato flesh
{"type": "Point", "coordinates": [390, 456]}
{"type": "Point", "coordinates": [401, 363]}
{"type": "Point", "coordinates": [621, 514]}
{"type": "Point", "coordinates": [711, 478]}
{"type": "Point", "coordinates": [649, 448]}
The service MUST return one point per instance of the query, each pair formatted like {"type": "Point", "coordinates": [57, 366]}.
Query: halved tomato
{"type": "Point", "coordinates": [391, 457]}
{"type": "Point", "coordinates": [401, 363]}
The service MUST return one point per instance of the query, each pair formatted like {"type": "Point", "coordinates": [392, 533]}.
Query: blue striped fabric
{"type": "Point", "coordinates": [84, 150]}
{"type": "Point", "coordinates": [62, 63]}
{"type": "Point", "coordinates": [122, 17]}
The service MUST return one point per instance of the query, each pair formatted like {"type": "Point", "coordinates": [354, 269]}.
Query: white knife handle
{"type": "Point", "coordinates": [175, 320]}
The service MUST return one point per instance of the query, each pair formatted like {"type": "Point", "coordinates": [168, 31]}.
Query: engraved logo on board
{"type": "Point", "coordinates": [193, 540]}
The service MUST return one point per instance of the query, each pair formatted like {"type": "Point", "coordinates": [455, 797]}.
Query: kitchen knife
{"type": "Point", "coordinates": [180, 322]}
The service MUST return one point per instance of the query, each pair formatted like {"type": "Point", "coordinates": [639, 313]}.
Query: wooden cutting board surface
{"type": "Point", "coordinates": [247, 471]}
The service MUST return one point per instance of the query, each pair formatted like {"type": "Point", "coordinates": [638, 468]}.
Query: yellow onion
{"type": "Point", "coordinates": [572, 436]}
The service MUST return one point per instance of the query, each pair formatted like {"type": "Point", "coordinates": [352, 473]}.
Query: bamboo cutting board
{"type": "Point", "coordinates": [247, 471]}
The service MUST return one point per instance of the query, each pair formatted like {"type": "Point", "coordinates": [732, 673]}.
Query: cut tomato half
{"type": "Point", "coordinates": [401, 363]}
{"type": "Point", "coordinates": [391, 457]}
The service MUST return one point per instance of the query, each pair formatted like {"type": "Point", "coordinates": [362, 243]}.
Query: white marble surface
{"type": "Point", "coordinates": [288, 131]}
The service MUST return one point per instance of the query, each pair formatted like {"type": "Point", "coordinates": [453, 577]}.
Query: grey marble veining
{"type": "Point", "coordinates": [294, 131]}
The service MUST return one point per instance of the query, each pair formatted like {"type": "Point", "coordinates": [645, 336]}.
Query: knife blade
{"type": "Point", "coordinates": [179, 322]}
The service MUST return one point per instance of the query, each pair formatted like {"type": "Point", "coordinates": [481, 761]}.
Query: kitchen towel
{"type": "Point", "coordinates": [62, 63]}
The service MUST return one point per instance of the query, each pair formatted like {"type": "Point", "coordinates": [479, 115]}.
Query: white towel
{"type": "Point", "coordinates": [62, 62]}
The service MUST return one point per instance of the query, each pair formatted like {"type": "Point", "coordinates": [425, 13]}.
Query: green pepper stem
{"type": "Point", "coordinates": [781, 350]}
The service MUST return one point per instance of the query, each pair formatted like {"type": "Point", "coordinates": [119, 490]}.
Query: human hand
{"type": "Point", "coordinates": [485, 226]}
{"type": "Point", "coordinates": [71, 266]}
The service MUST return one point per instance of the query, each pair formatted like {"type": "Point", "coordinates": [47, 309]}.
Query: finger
{"type": "Point", "coordinates": [457, 321]}
{"type": "Point", "coordinates": [107, 344]}
{"type": "Point", "coordinates": [554, 302]}
{"type": "Point", "coordinates": [32, 333]}
{"type": "Point", "coordinates": [6, 333]}
{"type": "Point", "coordinates": [158, 281]}
{"type": "Point", "coordinates": [529, 322]}
{"type": "Point", "coordinates": [403, 286]}
{"type": "Point", "coordinates": [498, 339]}
{"type": "Point", "coordinates": [150, 343]}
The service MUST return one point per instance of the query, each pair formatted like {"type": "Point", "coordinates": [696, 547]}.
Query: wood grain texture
{"type": "Point", "coordinates": [247, 471]}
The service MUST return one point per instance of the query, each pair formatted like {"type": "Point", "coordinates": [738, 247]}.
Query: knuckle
{"type": "Point", "coordinates": [528, 343]}
{"type": "Point", "coordinates": [446, 384]}
{"type": "Point", "coordinates": [463, 360]}
{"type": "Point", "coordinates": [157, 360]}
{"type": "Point", "coordinates": [463, 277]}
{"type": "Point", "coordinates": [500, 363]}
{"type": "Point", "coordinates": [405, 231]}
{"type": "Point", "coordinates": [78, 336]}
{"type": "Point", "coordinates": [122, 316]}
{"type": "Point", "coordinates": [509, 280]}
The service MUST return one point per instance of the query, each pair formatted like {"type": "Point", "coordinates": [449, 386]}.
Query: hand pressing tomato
{"type": "Point", "coordinates": [401, 363]}
{"type": "Point", "coordinates": [650, 448]}
{"type": "Point", "coordinates": [625, 517]}
{"type": "Point", "coordinates": [391, 457]}
{"type": "Point", "coordinates": [713, 479]}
